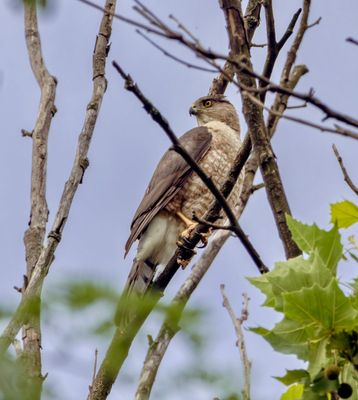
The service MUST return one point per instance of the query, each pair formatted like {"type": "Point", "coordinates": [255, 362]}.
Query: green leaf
{"type": "Point", "coordinates": [317, 357]}
{"type": "Point", "coordinates": [310, 237]}
{"type": "Point", "coordinates": [344, 214]}
{"type": "Point", "coordinates": [288, 337]}
{"type": "Point", "coordinates": [294, 392]}
{"type": "Point", "coordinates": [293, 376]}
{"type": "Point", "coordinates": [322, 309]}
{"type": "Point", "coordinates": [298, 273]}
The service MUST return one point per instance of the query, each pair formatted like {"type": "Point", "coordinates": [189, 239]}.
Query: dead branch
{"type": "Point", "coordinates": [237, 322]}
{"type": "Point", "coordinates": [35, 234]}
{"type": "Point", "coordinates": [46, 256]}
{"type": "Point", "coordinates": [344, 171]}
{"type": "Point", "coordinates": [254, 119]}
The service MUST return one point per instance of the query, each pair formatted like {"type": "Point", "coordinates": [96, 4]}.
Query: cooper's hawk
{"type": "Point", "coordinates": [175, 192]}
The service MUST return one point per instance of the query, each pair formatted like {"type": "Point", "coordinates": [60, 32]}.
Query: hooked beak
{"type": "Point", "coordinates": [192, 111]}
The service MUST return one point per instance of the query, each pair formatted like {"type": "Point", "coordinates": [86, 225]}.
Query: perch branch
{"type": "Point", "coordinates": [169, 328]}
{"type": "Point", "coordinates": [220, 198]}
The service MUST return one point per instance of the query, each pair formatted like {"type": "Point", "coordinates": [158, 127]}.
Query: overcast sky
{"type": "Point", "coordinates": [125, 149]}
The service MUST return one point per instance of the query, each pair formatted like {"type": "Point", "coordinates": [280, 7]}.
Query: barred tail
{"type": "Point", "coordinates": [139, 278]}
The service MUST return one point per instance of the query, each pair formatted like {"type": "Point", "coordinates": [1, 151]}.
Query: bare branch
{"type": "Point", "coordinates": [45, 259]}
{"type": "Point", "coordinates": [345, 173]}
{"type": "Point", "coordinates": [237, 322]}
{"type": "Point", "coordinates": [254, 119]}
{"type": "Point", "coordinates": [35, 234]}
{"type": "Point", "coordinates": [322, 128]}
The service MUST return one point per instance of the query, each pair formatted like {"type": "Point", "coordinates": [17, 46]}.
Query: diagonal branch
{"type": "Point", "coordinates": [219, 196]}
{"type": "Point", "coordinates": [80, 164]}
{"type": "Point", "coordinates": [170, 327]}
{"type": "Point", "coordinates": [35, 234]}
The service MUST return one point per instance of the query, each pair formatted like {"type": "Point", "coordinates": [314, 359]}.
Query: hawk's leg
{"type": "Point", "coordinates": [184, 237]}
{"type": "Point", "coordinates": [190, 226]}
{"type": "Point", "coordinates": [183, 240]}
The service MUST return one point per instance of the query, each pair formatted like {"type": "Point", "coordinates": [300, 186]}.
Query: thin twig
{"type": "Point", "coordinates": [94, 368]}
{"type": "Point", "coordinates": [257, 187]}
{"type": "Point", "coordinates": [80, 163]}
{"type": "Point", "coordinates": [303, 105]}
{"type": "Point", "coordinates": [344, 170]}
{"type": "Point", "coordinates": [352, 40]}
{"type": "Point", "coordinates": [318, 20]}
{"type": "Point", "coordinates": [322, 128]}
{"type": "Point", "coordinates": [173, 57]}
{"type": "Point", "coordinates": [237, 322]}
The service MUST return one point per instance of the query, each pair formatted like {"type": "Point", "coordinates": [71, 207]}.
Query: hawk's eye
{"type": "Point", "coordinates": [207, 103]}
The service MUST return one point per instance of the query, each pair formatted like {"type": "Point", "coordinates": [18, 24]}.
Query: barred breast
{"type": "Point", "coordinates": [195, 197]}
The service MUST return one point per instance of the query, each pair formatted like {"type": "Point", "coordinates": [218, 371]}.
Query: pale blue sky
{"type": "Point", "coordinates": [126, 147]}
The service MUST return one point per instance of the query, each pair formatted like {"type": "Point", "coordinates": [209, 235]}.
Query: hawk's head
{"type": "Point", "coordinates": [215, 108]}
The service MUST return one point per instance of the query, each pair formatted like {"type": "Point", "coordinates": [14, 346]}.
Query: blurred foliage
{"type": "Point", "coordinates": [41, 3]}
{"type": "Point", "coordinates": [320, 320]}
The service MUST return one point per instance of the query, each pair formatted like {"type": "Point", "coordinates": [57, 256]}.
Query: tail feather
{"type": "Point", "coordinates": [139, 278]}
